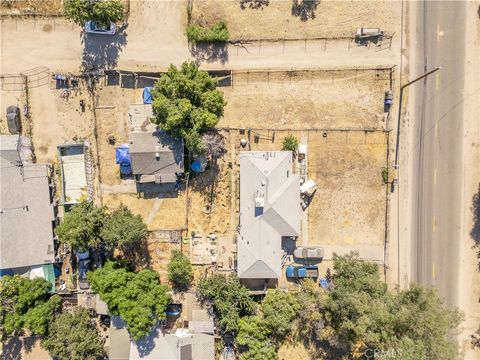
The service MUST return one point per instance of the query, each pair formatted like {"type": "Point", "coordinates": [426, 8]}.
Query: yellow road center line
{"type": "Point", "coordinates": [435, 177]}
{"type": "Point", "coordinates": [439, 33]}
{"type": "Point", "coordinates": [436, 128]}
{"type": "Point", "coordinates": [434, 224]}
{"type": "Point", "coordinates": [437, 81]}
{"type": "Point", "coordinates": [433, 270]}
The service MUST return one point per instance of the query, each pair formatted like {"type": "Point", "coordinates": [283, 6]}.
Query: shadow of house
{"type": "Point", "coordinates": [304, 9]}
{"type": "Point", "coordinates": [103, 51]}
{"type": "Point", "coordinates": [209, 52]}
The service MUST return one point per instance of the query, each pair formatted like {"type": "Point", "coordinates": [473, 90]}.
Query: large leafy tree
{"type": "Point", "coordinates": [73, 335]}
{"type": "Point", "coordinates": [254, 339]}
{"type": "Point", "coordinates": [180, 271]}
{"type": "Point", "coordinates": [123, 229]}
{"type": "Point", "coordinates": [229, 298]}
{"type": "Point", "coordinates": [81, 226]}
{"type": "Point", "coordinates": [103, 12]}
{"type": "Point", "coordinates": [26, 304]}
{"type": "Point", "coordinates": [186, 103]}
{"type": "Point", "coordinates": [279, 310]}
{"type": "Point", "coordinates": [364, 315]}
{"type": "Point", "coordinates": [138, 298]}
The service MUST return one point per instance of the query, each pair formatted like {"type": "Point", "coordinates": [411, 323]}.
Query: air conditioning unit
{"type": "Point", "coordinates": [259, 202]}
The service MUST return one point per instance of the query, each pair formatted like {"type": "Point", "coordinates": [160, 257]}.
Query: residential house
{"type": "Point", "coordinates": [269, 210]}
{"type": "Point", "coordinates": [26, 210]}
{"type": "Point", "coordinates": [156, 157]}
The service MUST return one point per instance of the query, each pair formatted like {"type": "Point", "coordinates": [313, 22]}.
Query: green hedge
{"type": "Point", "coordinates": [217, 33]}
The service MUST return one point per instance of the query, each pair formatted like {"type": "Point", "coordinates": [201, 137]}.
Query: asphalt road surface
{"type": "Point", "coordinates": [436, 203]}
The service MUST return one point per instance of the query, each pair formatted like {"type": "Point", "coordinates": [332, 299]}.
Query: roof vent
{"type": "Point", "coordinates": [259, 202]}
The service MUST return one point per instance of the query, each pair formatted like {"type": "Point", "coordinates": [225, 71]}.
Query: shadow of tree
{"type": "Point", "coordinates": [475, 232]}
{"type": "Point", "coordinates": [12, 349]}
{"type": "Point", "coordinates": [304, 9]}
{"type": "Point", "coordinates": [137, 256]}
{"type": "Point", "coordinates": [103, 51]}
{"type": "Point", "coordinates": [146, 344]}
{"type": "Point", "coordinates": [254, 4]}
{"type": "Point", "coordinates": [209, 52]}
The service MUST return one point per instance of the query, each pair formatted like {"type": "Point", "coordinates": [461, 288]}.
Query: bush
{"type": "Point", "coordinates": [180, 271]}
{"type": "Point", "coordinates": [217, 33]}
{"type": "Point", "coordinates": [290, 143]}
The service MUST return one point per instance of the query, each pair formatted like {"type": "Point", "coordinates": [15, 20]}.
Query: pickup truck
{"type": "Point", "coordinates": [299, 272]}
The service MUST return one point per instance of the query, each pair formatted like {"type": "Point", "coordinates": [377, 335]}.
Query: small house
{"type": "Point", "coordinates": [156, 157]}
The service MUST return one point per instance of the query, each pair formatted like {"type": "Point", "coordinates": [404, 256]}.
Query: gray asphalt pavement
{"type": "Point", "coordinates": [438, 145]}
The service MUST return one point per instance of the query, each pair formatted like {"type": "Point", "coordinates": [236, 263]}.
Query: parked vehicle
{"type": "Point", "coordinates": [13, 119]}
{"type": "Point", "coordinates": [307, 253]}
{"type": "Point", "coordinates": [298, 272]}
{"type": "Point", "coordinates": [83, 267]}
{"type": "Point", "coordinates": [94, 27]}
{"type": "Point", "coordinates": [173, 309]}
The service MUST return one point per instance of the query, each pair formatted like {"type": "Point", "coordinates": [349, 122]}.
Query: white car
{"type": "Point", "coordinates": [94, 27]}
{"type": "Point", "coordinates": [307, 253]}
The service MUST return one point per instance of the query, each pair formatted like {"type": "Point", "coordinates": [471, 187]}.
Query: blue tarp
{"type": "Point", "coordinates": [196, 166]}
{"type": "Point", "coordinates": [147, 95]}
{"type": "Point", "coordinates": [122, 157]}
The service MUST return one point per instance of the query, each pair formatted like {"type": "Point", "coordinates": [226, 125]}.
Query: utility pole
{"type": "Point", "coordinates": [400, 109]}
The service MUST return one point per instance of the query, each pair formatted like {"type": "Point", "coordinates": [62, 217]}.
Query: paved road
{"type": "Point", "coordinates": [436, 204]}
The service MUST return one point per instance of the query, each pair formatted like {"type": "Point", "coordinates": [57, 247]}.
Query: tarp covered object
{"type": "Point", "coordinates": [122, 155]}
{"type": "Point", "coordinates": [147, 95]}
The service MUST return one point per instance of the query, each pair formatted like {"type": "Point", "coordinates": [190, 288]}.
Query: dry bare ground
{"type": "Point", "coordinates": [297, 19]}
{"type": "Point", "coordinates": [350, 99]}
{"type": "Point", "coordinates": [349, 206]}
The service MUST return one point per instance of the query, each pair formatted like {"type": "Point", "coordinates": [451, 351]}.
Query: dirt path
{"type": "Point", "coordinates": [151, 43]}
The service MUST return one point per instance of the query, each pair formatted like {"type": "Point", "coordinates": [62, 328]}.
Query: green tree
{"type": "Point", "coordinates": [73, 335]}
{"type": "Point", "coordinates": [229, 298]}
{"type": "Point", "coordinates": [138, 298]}
{"type": "Point", "coordinates": [253, 339]}
{"type": "Point", "coordinates": [103, 12]}
{"type": "Point", "coordinates": [81, 226]}
{"type": "Point", "coordinates": [290, 143]}
{"type": "Point", "coordinates": [279, 310]}
{"type": "Point", "coordinates": [78, 11]}
{"type": "Point", "coordinates": [363, 314]}
{"type": "Point", "coordinates": [123, 229]}
{"type": "Point", "coordinates": [107, 11]}
{"type": "Point", "coordinates": [186, 103]}
{"type": "Point", "coordinates": [218, 32]}
{"type": "Point", "coordinates": [180, 271]}
{"type": "Point", "coordinates": [26, 304]}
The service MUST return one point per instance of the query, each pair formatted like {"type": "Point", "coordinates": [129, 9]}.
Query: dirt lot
{"type": "Point", "coordinates": [31, 6]}
{"type": "Point", "coordinates": [58, 120]}
{"type": "Point", "coordinates": [307, 99]}
{"type": "Point", "coordinates": [279, 19]}
{"type": "Point", "coordinates": [348, 207]}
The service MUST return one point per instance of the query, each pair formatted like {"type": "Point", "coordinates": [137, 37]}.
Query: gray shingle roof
{"type": "Point", "coordinates": [27, 213]}
{"type": "Point", "coordinates": [144, 146]}
{"type": "Point", "coordinates": [266, 177]}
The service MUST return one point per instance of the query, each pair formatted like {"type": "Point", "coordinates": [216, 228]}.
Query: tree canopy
{"type": "Point", "coordinates": [279, 311]}
{"type": "Point", "coordinates": [180, 271]}
{"type": "Point", "coordinates": [363, 314]}
{"type": "Point", "coordinates": [138, 298]}
{"type": "Point", "coordinates": [88, 225]}
{"type": "Point", "coordinates": [26, 304]}
{"type": "Point", "coordinates": [254, 339]}
{"type": "Point", "coordinates": [229, 298]}
{"type": "Point", "coordinates": [73, 335]}
{"type": "Point", "coordinates": [186, 103]}
{"type": "Point", "coordinates": [103, 12]}
{"type": "Point", "coordinates": [123, 229]}
{"type": "Point", "coordinates": [82, 225]}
